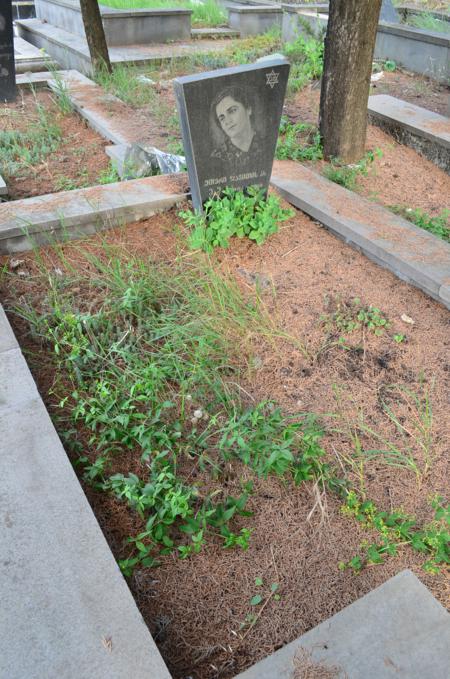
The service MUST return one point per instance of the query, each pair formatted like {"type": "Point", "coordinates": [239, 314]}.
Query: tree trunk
{"type": "Point", "coordinates": [95, 35]}
{"type": "Point", "coordinates": [349, 46]}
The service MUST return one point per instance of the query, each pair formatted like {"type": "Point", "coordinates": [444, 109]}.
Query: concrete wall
{"type": "Point", "coordinates": [254, 20]}
{"type": "Point", "coordinates": [416, 50]}
{"type": "Point", "coordinates": [122, 27]}
{"type": "Point", "coordinates": [298, 21]}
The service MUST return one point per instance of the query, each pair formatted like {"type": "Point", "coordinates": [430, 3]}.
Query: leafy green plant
{"type": "Point", "coordinates": [299, 141]}
{"type": "Point", "coordinates": [306, 57]}
{"type": "Point", "coordinates": [389, 65]}
{"type": "Point", "coordinates": [439, 225]}
{"type": "Point", "coordinates": [353, 316]}
{"type": "Point", "coordinates": [396, 529]}
{"type": "Point", "coordinates": [237, 213]}
{"type": "Point", "coordinates": [109, 175]}
{"type": "Point", "coordinates": [347, 175]}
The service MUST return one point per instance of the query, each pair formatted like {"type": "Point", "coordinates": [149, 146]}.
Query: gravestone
{"type": "Point", "coordinates": [229, 123]}
{"type": "Point", "coordinates": [7, 67]}
{"type": "Point", "coordinates": [388, 12]}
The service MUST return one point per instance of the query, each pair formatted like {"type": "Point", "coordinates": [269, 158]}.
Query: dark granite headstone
{"type": "Point", "coordinates": [7, 67]}
{"type": "Point", "coordinates": [229, 123]}
{"type": "Point", "coordinates": [388, 12]}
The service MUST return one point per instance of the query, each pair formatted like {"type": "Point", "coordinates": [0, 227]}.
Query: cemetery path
{"type": "Point", "coordinates": [194, 608]}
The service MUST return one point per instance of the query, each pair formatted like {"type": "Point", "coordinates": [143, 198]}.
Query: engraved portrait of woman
{"type": "Point", "coordinates": [238, 145]}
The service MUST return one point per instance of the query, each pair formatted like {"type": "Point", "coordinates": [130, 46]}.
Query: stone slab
{"type": "Point", "coordinates": [254, 19]}
{"type": "Point", "coordinates": [409, 252]}
{"type": "Point", "coordinates": [388, 12]}
{"type": "Point", "coordinates": [8, 90]}
{"type": "Point", "coordinates": [71, 51]}
{"type": "Point", "coordinates": [397, 631]}
{"type": "Point", "coordinates": [229, 122]}
{"type": "Point", "coordinates": [221, 32]}
{"type": "Point", "coordinates": [66, 610]}
{"type": "Point", "coordinates": [7, 338]}
{"type": "Point", "coordinates": [121, 26]}
{"type": "Point", "coordinates": [426, 131]}
{"type": "Point", "coordinates": [3, 187]}
{"type": "Point", "coordinates": [67, 215]}
{"type": "Point", "coordinates": [17, 386]}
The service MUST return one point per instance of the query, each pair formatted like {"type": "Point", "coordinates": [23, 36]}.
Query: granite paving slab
{"type": "Point", "coordinates": [409, 252]}
{"type": "Point", "coordinates": [397, 631]}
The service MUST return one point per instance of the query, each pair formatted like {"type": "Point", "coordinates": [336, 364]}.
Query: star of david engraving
{"type": "Point", "coordinates": [272, 79]}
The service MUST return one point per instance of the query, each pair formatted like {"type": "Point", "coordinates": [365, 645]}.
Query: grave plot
{"type": "Point", "coordinates": [45, 147]}
{"type": "Point", "coordinates": [229, 348]}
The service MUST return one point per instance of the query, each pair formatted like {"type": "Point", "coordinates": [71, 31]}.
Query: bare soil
{"type": "Point", "coordinates": [78, 161]}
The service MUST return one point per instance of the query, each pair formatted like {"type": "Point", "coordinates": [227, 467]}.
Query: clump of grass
{"type": "Point", "coordinates": [347, 175]}
{"type": "Point", "coordinates": [298, 141]}
{"type": "Point", "coordinates": [439, 225]}
{"type": "Point", "coordinates": [306, 57]}
{"type": "Point", "coordinates": [23, 150]}
{"type": "Point", "coordinates": [207, 12]}
{"type": "Point", "coordinates": [124, 83]}
{"type": "Point", "coordinates": [427, 22]}
{"type": "Point", "coordinates": [150, 369]}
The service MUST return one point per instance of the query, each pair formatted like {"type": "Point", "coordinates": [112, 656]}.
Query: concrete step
{"type": "Point", "coordinates": [28, 57]}
{"type": "Point", "coordinates": [397, 631]}
{"type": "Point", "coordinates": [409, 252]}
{"type": "Point", "coordinates": [425, 131]}
{"type": "Point", "coordinates": [71, 51]}
{"type": "Point", "coordinates": [213, 33]}
{"type": "Point", "coordinates": [67, 215]}
{"type": "Point", "coordinates": [66, 609]}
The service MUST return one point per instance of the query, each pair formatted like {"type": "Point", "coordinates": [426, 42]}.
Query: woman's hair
{"type": "Point", "coordinates": [236, 93]}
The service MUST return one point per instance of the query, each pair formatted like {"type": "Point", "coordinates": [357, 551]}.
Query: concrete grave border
{"type": "Point", "coordinates": [426, 132]}
{"type": "Point", "coordinates": [411, 253]}
{"type": "Point", "coordinates": [66, 609]}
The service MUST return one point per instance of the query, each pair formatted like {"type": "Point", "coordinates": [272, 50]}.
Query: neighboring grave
{"type": "Point", "coordinates": [388, 12]}
{"type": "Point", "coordinates": [229, 123]}
{"type": "Point", "coordinates": [7, 68]}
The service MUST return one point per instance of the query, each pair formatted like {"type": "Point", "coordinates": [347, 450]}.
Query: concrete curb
{"type": "Point", "coordinates": [43, 220]}
{"type": "Point", "coordinates": [66, 609]}
{"type": "Point", "coordinates": [426, 132]}
{"type": "Point", "coordinates": [410, 253]}
{"type": "Point", "coordinates": [397, 630]}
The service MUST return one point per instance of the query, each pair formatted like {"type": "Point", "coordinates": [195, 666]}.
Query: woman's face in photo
{"type": "Point", "coordinates": [233, 117]}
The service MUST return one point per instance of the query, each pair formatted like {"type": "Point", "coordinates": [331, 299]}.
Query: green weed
{"type": "Point", "coordinates": [207, 12]}
{"type": "Point", "coordinates": [347, 175]}
{"type": "Point", "coordinates": [23, 150]}
{"type": "Point", "coordinates": [395, 530]}
{"type": "Point", "coordinates": [299, 141]}
{"type": "Point", "coordinates": [235, 213]}
{"type": "Point", "coordinates": [439, 226]}
{"type": "Point", "coordinates": [150, 369]}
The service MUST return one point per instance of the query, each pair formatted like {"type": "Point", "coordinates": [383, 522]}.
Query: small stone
{"type": "Point", "coordinates": [198, 414]}
{"type": "Point", "coordinates": [15, 263]}
{"type": "Point", "coordinates": [407, 319]}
